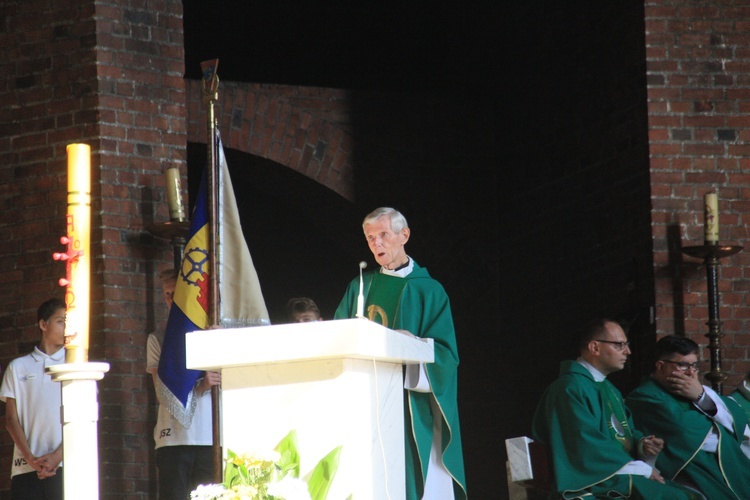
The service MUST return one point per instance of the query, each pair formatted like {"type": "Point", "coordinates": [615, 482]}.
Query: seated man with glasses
{"type": "Point", "coordinates": [707, 434]}
{"type": "Point", "coordinates": [582, 420]}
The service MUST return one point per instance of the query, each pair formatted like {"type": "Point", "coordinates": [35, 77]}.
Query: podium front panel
{"type": "Point", "coordinates": [353, 403]}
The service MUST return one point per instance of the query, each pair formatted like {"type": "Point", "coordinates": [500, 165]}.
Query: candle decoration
{"type": "Point", "coordinates": [711, 252]}
{"type": "Point", "coordinates": [78, 256]}
{"type": "Point", "coordinates": [711, 218]}
{"type": "Point", "coordinates": [174, 197]}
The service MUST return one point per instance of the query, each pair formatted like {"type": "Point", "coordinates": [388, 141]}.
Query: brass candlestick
{"type": "Point", "coordinates": [711, 252]}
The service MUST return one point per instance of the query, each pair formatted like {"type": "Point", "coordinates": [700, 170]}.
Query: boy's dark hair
{"type": "Point", "coordinates": [48, 308]}
{"type": "Point", "coordinates": [301, 305]}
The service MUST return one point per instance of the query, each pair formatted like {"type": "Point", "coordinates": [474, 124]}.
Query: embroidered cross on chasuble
{"type": "Point", "coordinates": [384, 299]}
{"type": "Point", "coordinates": [618, 425]}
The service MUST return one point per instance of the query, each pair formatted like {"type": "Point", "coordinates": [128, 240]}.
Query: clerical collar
{"type": "Point", "coordinates": [598, 376]}
{"type": "Point", "coordinates": [401, 271]}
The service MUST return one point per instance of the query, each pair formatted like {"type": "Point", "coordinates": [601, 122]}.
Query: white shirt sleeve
{"type": "Point", "coordinates": [724, 417]}
{"type": "Point", "coordinates": [636, 468]}
{"type": "Point", "coordinates": [153, 353]}
{"type": "Point", "coordinates": [416, 379]}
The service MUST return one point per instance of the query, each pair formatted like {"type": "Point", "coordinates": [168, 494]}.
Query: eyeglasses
{"type": "Point", "coordinates": [620, 346]}
{"type": "Point", "coordinates": [684, 365]}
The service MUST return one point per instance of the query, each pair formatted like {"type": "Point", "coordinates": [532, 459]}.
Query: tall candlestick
{"type": "Point", "coordinates": [77, 291]}
{"type": "Point", "coordinates": [174, 198]}
{"type": "Point", "coordinates": [711, 217]}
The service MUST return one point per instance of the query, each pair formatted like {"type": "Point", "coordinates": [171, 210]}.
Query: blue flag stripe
{"type": "Point", "coordinates": [177, 381]}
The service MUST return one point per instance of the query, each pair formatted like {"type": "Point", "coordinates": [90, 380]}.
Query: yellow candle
{"type": "Point", "coordinates": [174, 198]}
{"type": "Point", "coordinates": [77, 292]}
{"type": "Point", "coordinates": [711, 217]}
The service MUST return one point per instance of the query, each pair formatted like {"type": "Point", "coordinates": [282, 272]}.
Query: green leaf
{"type": "Point", "coordinates": [322, 475]}
{"type": "Point", "coordinates": [288, 450]}
{"type": "Point", "coordinates": [231, 474]}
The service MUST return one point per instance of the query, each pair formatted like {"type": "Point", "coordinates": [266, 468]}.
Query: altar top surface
{"type": "Point", "coordinates": [345, 338]}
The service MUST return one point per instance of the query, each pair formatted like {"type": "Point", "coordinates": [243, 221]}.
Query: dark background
{"type": "Point", "coordinates": [514, 139]}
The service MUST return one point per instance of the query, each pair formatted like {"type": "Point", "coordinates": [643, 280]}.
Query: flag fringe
{"type": "Point", "coordinates": [183, 414]}
{"type": "Point", "coordinates": [243, 322]}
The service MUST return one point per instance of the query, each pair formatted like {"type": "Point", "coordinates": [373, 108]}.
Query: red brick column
{"type": "Point", "coordinates": [698, 99]}
{"type": "Point", "coordinates": [142, 115]}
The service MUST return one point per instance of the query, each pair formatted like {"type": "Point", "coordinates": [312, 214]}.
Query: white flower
{"type": "Point", "coordinates": [207, 492]}
{"type": "Point", "coordinates": [289, 488]}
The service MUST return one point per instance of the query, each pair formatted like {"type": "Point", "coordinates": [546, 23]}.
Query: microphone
{"type": "Point", "coordinates": [361, 296]}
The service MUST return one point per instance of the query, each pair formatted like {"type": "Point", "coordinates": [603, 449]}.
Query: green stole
{"type": "Point", "coordinates": [617, 412]}
{"type": "Point", "coordinates": [384, 299]}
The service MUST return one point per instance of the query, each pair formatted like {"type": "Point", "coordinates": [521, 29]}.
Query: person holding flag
{"type": "Point", "coordinates": [183, 454]}
{"type": "Point", "coordinates": [239, 302]}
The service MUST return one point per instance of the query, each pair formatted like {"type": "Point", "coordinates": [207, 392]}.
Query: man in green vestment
{"type": "Point", "coordinates": [708, 439]}
{"type": "Point", "coordinates": [581, 419]}
{"type": "Point", "coordinates": [402, 296]}
{"type": "Point", "coordinates": [742, 395]}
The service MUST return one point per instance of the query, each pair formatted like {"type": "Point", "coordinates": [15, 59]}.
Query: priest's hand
{"type": "Point", "coordinates": [651, 446]}
{"type": "Point", "coordinates": [655, 476]}
{"type": "Point", "coordinates": [684, 385]}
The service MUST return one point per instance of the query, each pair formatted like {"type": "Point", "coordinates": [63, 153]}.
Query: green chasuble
{"type": "Point", "coordinates": [419, 304]}
{"type": "Point", "coordinates": [590, 435]}
{"type": "Point", "coordinates": [725, 474]}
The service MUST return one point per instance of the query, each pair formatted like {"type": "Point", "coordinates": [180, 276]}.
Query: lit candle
{"type": "Point", "coordinates": [711, 217]}
{"type": "Point", "coordinates": [77, 290]}
{"type": "Point", "coordinates": [176, 212]}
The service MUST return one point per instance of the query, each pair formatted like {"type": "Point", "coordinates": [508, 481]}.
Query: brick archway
{"type": "Point", "coordinates": [304, 128]}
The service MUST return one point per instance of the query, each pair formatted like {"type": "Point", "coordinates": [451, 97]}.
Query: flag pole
{"type": "Point", "coordinates": [210, 86]}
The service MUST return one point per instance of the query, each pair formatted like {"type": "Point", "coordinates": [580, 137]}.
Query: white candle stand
{"type": "Point", "coordinates": [79, 414]}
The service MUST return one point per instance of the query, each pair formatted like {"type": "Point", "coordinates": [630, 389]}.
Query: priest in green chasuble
{"type": "Point", "coordinates": [581, 419]}
{"type": "Point", "coordinates": [707, 435]}
{"type": "Point", "coordinates": [402, 296]}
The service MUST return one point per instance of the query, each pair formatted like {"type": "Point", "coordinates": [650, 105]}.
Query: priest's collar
{"type": "Point", "coordinates": [401, 271]}
{"type": "Point", "coordinates": [598, 376]}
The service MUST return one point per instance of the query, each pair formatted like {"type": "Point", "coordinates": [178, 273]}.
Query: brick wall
{"type": "Point", "coordinates": [142, 116]}
{"type": "Point", "coordinates": [698, 99]}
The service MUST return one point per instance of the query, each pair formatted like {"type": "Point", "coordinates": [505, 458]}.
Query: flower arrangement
{"type": "Point", "coordinates": [272, 476]}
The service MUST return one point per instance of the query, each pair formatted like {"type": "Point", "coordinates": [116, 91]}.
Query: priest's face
{"type": "Point", "coordinates": [673, 367]}
{"type": "Point", "coordinates": [386, 245]}
{"type": "Point", "coordinates": [611, 350]}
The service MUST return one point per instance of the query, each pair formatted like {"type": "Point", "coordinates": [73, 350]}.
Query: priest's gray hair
{"type": "Point", "coordinates": [398, 221]}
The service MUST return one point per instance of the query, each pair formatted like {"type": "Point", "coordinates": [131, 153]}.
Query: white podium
{"type": "Point", "coordinates": [337, 383]}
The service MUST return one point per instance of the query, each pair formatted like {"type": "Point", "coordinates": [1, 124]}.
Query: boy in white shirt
{"type": "Point", "coordinates": [32, 413]}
